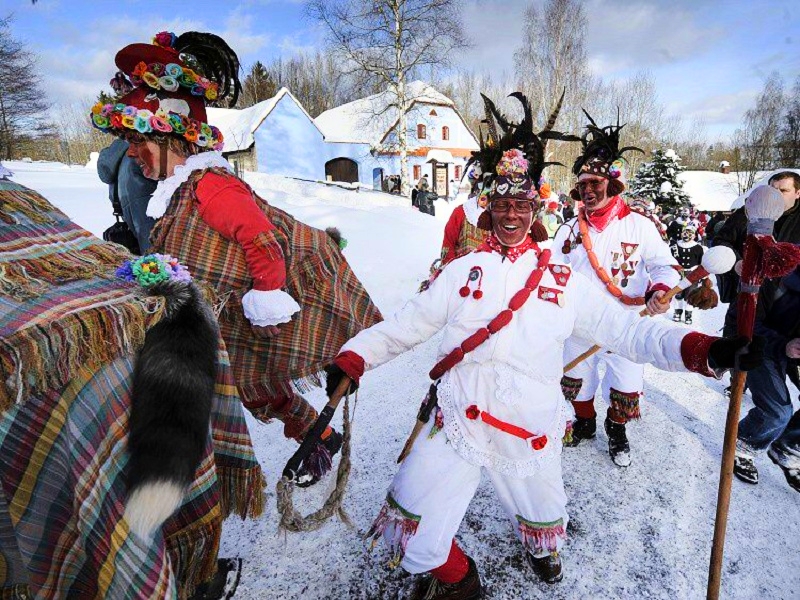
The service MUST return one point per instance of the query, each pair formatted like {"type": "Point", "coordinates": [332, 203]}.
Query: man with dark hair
{"type": "Point", "coordinates": [621, 252]}
{"type": "Point", "coordinates": [734, 232]}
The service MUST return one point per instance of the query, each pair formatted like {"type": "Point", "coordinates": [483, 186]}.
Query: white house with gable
{"type": "Point", "coordinates": [361, 139]}
{"type": "Point", "coordinates": [275, 136]}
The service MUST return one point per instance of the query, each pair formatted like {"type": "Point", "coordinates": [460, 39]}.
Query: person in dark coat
{"type": "Point", "coordinates": [425, 198]}
{"type": "Point", "coordinates": [734, 233]}
{"type": "Point", "coordinates": [772, 423]}
{"type": "Point", "coordinates": [128, 188]}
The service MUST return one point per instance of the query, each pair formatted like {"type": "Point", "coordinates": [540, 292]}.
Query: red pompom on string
{"type": "Point", "coordinates": [475, 340]}
{"type": "Point", "coordinates": [518, 299]}
{"type": "Point", "coordinates": [463, 292]}
{"type": "Point", "coordinates": [501, 320]}
{"type": "Point", "coordinates": [539, 443]}
{"type": "Point", "coordinates": [477, 294]}
{"type": "Point", "coordinates": [473, 412]}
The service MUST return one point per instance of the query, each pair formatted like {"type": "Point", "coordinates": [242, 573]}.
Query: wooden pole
{"type": "Point", "coordinates": [725, 481]}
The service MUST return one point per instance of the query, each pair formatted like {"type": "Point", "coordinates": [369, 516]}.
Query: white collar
{"type": "Point", "coordinates": [161, 197]}
{"type": "Point", "coordinates": [472, 211]}
{"type": "Point", "coordinates": [683, 244]}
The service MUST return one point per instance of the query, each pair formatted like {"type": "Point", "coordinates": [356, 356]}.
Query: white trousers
{"type": "Point", "coordinates": [434, 487]}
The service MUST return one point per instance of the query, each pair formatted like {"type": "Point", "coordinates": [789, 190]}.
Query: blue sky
{"type": "Point", "coordinates": [709, 59]}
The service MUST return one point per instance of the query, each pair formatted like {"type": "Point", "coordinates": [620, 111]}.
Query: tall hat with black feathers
{"type": "Point", "coordinates": [165, 87]}
{"type": "Point", "coordinates": [512, 158]}
{"type": "Point", "coordinates": [602, 155]}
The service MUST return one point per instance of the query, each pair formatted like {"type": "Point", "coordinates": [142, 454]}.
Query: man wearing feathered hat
{"type": "Point", "coordinates": [497, 404]}
{"type": "Point", "coordinates": [621, 252]}
{"type": "Point", "coordinates": [286, 296]}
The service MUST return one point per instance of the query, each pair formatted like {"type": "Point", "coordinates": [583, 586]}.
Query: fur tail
{"type": "Point", "coordinates": [173, 386]}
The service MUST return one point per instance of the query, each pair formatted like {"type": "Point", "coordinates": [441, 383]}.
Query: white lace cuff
{"type": "Point", "coordinates": [272, 307]}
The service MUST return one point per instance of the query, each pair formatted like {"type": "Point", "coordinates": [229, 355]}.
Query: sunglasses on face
{"type": "Point", "coordinates": [503, 204]}
{"type": "Point", "coordinates": [594, 184]}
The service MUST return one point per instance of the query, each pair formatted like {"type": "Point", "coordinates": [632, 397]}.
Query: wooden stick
{"type": "Point", "coordinates": [594, 349]}
{"type": "Point", "coordinates": [725, 480]}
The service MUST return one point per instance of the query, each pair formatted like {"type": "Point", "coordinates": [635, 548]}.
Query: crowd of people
{"type": "Point", "coordinates": [512, 312]}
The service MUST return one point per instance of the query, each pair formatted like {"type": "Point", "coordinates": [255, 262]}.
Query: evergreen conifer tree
{"type": "Point", "coordinates": [658, 181]}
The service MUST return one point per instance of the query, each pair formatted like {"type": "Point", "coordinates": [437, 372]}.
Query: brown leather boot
{"type": "Point", "coordinates": [548, 568]}
{"type": "Point", "coordinates": [469, 588]}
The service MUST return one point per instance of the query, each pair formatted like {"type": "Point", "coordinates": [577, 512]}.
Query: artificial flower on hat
{"type": "Point", "coordinates": [166, 85]}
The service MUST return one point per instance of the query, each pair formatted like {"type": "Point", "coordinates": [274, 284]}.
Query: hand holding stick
{"type": "Point", "coordinates": [716, 261]}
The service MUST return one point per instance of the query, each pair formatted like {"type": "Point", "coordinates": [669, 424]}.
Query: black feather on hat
{"type": "Point", "coordinates": [601, 152]}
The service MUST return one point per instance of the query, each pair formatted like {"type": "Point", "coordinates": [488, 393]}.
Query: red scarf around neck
{"type": "Point", "coordinates": [492, 244]}
{"type": "Point", "coordinates": [600, 219]}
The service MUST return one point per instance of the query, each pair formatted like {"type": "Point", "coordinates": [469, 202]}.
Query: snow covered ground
{"type": "Point", "coordinates": [643, 532]}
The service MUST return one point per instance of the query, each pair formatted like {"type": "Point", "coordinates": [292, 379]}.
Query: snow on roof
{"type": "Point", "coordinates": [710, 190]}
{"type": "Point", "coordinates": [761, 179]}
{"type": "Point", "coordinates": [367, 121]}
{"type": "Point", "coordinates": [239, 125]}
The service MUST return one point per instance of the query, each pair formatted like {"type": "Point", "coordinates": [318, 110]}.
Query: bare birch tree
{"type": "Point", "coordinates": [756, 141]}
{"type": "Point", "coordinates": [391, 40]}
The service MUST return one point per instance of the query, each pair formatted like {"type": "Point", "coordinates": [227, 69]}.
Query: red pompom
{"type": "Point", "coordinates": [477, 294]}
{"type": "Point", "coordinates": [464, 292]}
{"type": "Point", "coordinates": [539, 442]}
{"type": "Point", "coordinates": [473, 412]}
{"type": "Point", "coordinates": [779, 258]}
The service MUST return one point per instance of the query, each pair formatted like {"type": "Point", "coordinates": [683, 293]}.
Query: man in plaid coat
{"type": "Point", "coordinates": [285, 296]}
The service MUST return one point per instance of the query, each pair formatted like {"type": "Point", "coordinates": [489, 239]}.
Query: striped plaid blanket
{"type": "Point", "coordinates": [67, 342]}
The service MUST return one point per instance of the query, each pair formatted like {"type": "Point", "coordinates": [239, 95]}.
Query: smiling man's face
{"type": "Point", "coordinates": [594, 191]}
{"type": "Point", "coordinates": [511, 220]}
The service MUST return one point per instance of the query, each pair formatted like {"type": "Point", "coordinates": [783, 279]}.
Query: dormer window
{"type": "Point", "coordinates": [445, 133]}
{"type": "Point", "coordinates": [433, 113]}
{"type": "Point", "coordinates": [421, 132]}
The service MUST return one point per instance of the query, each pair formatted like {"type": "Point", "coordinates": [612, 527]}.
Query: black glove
{"type": "Point", "coordinates": [722, 353]}
{"type": "Point", "coordinates": [335, 375]}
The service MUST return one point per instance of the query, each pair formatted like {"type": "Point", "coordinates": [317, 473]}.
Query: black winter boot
{"type": "Point", "coordinates": [469, 588]}
{"type": "Point", "coordinates": [582, 429]}
{"type": "Point", "coordinates": [548, 568]}
{"type": "Point", "coordinates": [618, 446]}
{"type": "Point", "coordinates": [317, 464]}
{"type": "Point", "coordinates": [677, 315]}
{"type": "Point", "coordinates": [779, 457]}
{"type": "Point", "coordinates": [687, 317]}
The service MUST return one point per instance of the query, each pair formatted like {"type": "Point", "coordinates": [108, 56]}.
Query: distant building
{"type": "Point", "coordinates": [275, 136]}
{"type": "Point", "coordinates": [361, 139]}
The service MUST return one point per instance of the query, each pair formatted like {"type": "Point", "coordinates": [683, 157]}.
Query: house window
{"type": "Point", "coordinates": [445, 133]}
{"type": "Point", "coordinates": [433, 113]}
{"type": "Point", "coordinates": [421, 131]}
{"type": "Point", "coordinates": [417, 172]}
{"type": "Point", "coordinates": [458, 172]}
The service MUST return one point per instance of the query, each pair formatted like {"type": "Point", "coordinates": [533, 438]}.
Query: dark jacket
{"type": "Point", "coordinates": [425, 201]}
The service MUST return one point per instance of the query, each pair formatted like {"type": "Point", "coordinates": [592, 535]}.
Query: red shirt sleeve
{"type": "Point", "coordinates": [451, 233]}
{"type": "Point", "coordinates": [227, 206]}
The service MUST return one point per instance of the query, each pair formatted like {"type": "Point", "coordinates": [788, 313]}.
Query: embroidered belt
{"type": "Point", "coordinates": [537, 442]}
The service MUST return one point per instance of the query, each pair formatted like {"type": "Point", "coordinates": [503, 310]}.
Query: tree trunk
{"type": "Point", "coordinates": [402, 105]}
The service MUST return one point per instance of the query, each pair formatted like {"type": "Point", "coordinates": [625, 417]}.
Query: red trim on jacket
{"type": "Point", "coordinates": [694, 352]}
{"type": "Point", "coordinates": [227, 206]}
{"type": "Point", "coordinates": [351, 363]}
{"type": "Point", "coordinates": [655, 287]}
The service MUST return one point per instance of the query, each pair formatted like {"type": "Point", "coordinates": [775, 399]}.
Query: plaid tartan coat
{"type": "Point", "coordinates": [334, 306]}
